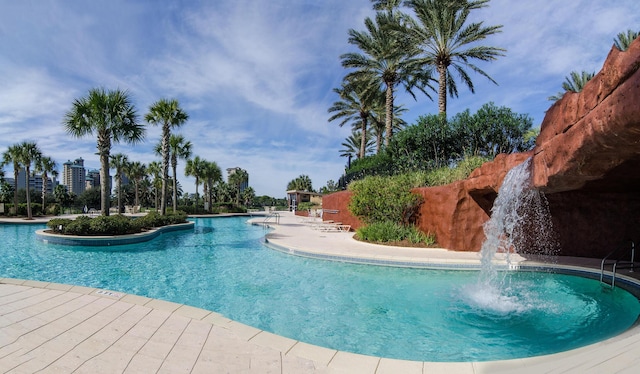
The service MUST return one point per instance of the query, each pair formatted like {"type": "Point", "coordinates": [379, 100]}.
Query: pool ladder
{"type": "Point", "coordinates": [275, 216]}
{"type": "Point", "coordinates": [617, 260]}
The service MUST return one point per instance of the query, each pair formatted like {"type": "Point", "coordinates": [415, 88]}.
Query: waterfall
{"type": "Point", "coordinates": [520, 223]}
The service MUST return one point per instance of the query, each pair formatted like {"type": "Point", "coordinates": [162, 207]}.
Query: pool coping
{"type": "Point", "coordinates": [616, 353]}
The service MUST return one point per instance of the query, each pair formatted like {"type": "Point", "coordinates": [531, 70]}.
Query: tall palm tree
{"type": "Point", "coordinates": [120, 162]}
{"type": "Point", "coordinates": [387, 60]}
{"type": "Point", "coordinates": [12, 156]}
{"type": "Point", "coordinates": [447, 42]}
{"type": "Point", "coordinates": [168, 114]}
{"type": "Point", "coordinates": [357, 103]}
{"type": "Point", "coordinates": [46, 165]}
{"type": "Point", "coordinates": [30, 154]}
{"type": "Point", "coordinates": [136, 171]}
{"type": "Point", "coordinates": [352, 144]}
{"type": "Point", "coordinates": [212, 175]}
{"type": "Point", "coordinates": [378, 126]}
{"type": "Point", "coordinates": [574, 82]}
{"type": "Point", "coordinates": [179, 148]}
{"type": "Point", "coordinates": [624, 40]}
{"type": "Point", "coordinates": [237, 179]}
{"type": "Point", "coordinates": [194, 168]}
{"type": "Point", "coordinates": [112, 117]}
{"type": "Point", "coordinates": [155, 171]}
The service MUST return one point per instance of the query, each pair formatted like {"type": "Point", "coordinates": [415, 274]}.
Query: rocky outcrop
{"type": "Point", "coordinates": [586, 161]}
{"type": "Point", "coordinates": [594, 135]}
{"type": "Point", "coordinates": [456, 212]}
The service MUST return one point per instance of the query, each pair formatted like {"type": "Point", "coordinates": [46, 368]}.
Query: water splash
{"type": "Point", "coordinates": [520, 223]}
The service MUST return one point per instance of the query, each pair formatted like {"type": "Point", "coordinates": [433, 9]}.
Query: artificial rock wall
{"type": "Point", "coordinates": [586, 161]}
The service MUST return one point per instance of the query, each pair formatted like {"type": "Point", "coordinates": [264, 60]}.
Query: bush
{"type": "Point", "coordinates": [382, 199]}
{"type": "Point", "coordinates": [113, 225]}
{"type": "Point", "coordinates": [58, 225]}
{"type": "Point", "coordinates": [446, 175]}
{"type": "Point", "coordinates": [384, 232]}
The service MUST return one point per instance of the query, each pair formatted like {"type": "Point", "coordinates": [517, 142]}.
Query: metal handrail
{"type": "Point", "coordinates": [272, 215]}
{"type": "Point", "coordinates": [615, 258]}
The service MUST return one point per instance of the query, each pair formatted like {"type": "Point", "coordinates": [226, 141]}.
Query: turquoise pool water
{"type": "Point", "coordinates": [413, 314]}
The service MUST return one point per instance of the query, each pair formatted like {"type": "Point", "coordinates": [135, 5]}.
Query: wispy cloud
{"type": "Point", "coordinates": [256, 76]}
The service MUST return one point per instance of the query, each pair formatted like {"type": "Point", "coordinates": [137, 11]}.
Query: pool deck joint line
{"type": "Point", "coordinates": [60, 328]}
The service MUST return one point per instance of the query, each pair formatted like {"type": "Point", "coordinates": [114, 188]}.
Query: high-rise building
{"type": "Point", "coordinates": [93, 178]}
{"type": "Point", "coordinates": [35, 182]}
{"type": "Point", "coordinates": [73, 176]}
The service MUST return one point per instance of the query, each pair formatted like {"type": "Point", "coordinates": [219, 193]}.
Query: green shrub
{"type": "Point", "coordinates": [79, 226]}
{"type": "Point", "coordinates": [446, 175]}
{"type": "Point", "coordinates": [384, 232]}
{"type": "Point", "coordinates": [58, 224]}
{"type": "Point", "coordinates": [381, 199]}
{"type": "Point", "coordinates": [115, 224]}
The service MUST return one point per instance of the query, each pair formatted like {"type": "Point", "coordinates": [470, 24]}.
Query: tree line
{"type": "Point", "coordinates": [111, 117]}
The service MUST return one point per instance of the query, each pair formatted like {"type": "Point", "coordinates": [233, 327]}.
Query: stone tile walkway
{"type": "Point", "coordinates": [55, 328]}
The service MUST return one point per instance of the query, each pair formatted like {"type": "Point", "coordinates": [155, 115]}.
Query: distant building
{"type": "Point", "coordinates": [93, 179]}
{"type": "Point", "coordinates": [35, 182]}
{"type": "Point", "coordinates": [74, 176]}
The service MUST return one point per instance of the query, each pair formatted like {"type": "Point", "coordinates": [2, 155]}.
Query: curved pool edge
{"type": "Point", "coordinates": [107, 240]}
{"type": "Point", "coordinates": [614, 354]}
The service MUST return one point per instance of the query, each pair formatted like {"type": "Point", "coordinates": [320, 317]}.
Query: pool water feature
{"type": "Point", "coordinates": [414, 314]}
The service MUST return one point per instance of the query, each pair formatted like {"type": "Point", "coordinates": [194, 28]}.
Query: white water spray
{"type": "Point", "coordinates": [520, 223]}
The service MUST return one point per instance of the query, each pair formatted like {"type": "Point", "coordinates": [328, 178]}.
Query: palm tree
{"type": "Point", "coordinates": [237, 179]}
{"type": "Point", "coordinates": [575, 82]}
{"type": "Point", "coordinates": [194, 168]}
{"type": "Point", "coordinates": [179, 148]}
{"type": "Point", "coordinates": [12, 156]}
{"type": "Point", "coordinates": [624, 40]}
{"type": "Point", "coordinates": [446, 42]}
{"type": "Point", "coordinates": [301, 183]}
{"type": "Point", "coordinates": [29, 154]}
{"type": "Point", "coordinates": [352, 144]}
{"type": "Point", "coordinates": [168, 114]}
{"type": "Point", "coordinates": [357, 102]}
{"type": "Point", "coordinates": [211, 175]}
{"type": "Point", "coordinates": [112, 117]}
{"type": "Point", "coordinates": [155, 171]}
{"type": "Point", "coordinates": [378, 126]}
{"type": "Point", "coordinates": [120, 162]}
{"type": "Point", "coordinates": [387, 59]}
{"type": "Point", "coordinates": [46, 165]}
{"type": "Point", "coordinates": [136, 171]}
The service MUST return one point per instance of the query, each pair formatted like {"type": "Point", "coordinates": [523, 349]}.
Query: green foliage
{"type": "Point", "coordinates": [384, 232]}
{"type": "Point", "coordinates": [434, 142]}
{"type": "Point", "coordinates": [446, 175]}
{"type": "Point", "coordinates": [380, 199]}
{"type": "Point", "coordinates": [113, 225]}
{"type": "Point", "coordinates": [57, 225]}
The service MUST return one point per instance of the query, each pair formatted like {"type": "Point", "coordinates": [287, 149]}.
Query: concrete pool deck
{"type": "Point", "coordinates": [56, 328]}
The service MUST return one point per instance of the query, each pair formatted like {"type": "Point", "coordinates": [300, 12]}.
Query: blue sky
{"type": "Point", "coordinates": [256, 76]}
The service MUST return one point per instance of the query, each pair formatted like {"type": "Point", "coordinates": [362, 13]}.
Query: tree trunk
{"type": "Point", "coordinates": [29, 215]}
{"type": "Point", "coordinates": [16, 168]}
{"type": "Point", "coordinates": [105, 186]}
{"type": "Point", "coordinates": [175, 189]}
{"type": "Point", "coordinates": [165, 167]}
{"type": "Point", "coordinates": [442, 89]}
{"type": "Point", "coordinates": [363, 141]}
{"type": "Point", "coordinates": [44, 190]}
{"type": "Point", "coordinates": [389, 114]}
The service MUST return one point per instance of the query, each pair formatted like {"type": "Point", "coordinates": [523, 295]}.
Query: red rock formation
{"type": "Point", "coordinates": [335, 208]}
{"type": "Point", "coordinates": [456, 212]}
{"type": "Point", "coordinates": [586, 160]}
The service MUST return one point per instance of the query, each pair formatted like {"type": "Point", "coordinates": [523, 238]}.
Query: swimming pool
{"type": "Point", "coordinates": [426, 315]}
